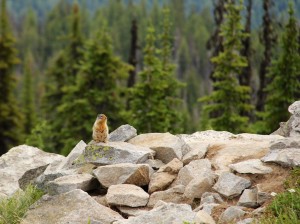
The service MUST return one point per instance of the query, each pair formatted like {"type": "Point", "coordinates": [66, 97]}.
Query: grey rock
{"type": "Point", "coordinates": [230, 185]}
{"type": "Point", "coordinates": [154, 163]}
{"type": "Point", "coordinates": [123, 173]}
{"type": "Point", "coordinates": [114, 153]}
{"type": "Point", "coordinates": [294, 108]}
{"type": "Point", "coordinates": [73, 155]}
{"type": "Point", "coordinates": [262, 196]}
{"type": "Point", "coordinates": [290, 142]}
{"type": "Point", "coordinates": [128, 211]}
{"type": "Point", "coordinates": [288, 157]}
{"type": "Point", "coordinates": [166, 145]}
{"type": "Point", "coordinates": [160, 181]}
{"type": "Point", "coordinates": [30, 176]}
{"type": "Point", "coordinates": [246, 221]}
{"type": "Point", "coordinates": [196, 168]}
{"type": "Point", "coordinates": [253, 166]}
{"type": "Point", "coordinates": [198, 152]}
{"type": "Point", "coordinates": [204, 218]}
{"type": "Point", "coordinates": [248, 199]}
{"type": "Point", "coordinates": [127, 195]}
{"type": "Point", "coordinates": [207, 207]}
{"type": "Point", "coordinates": [72, 207]}
{"type": "Point", "coordinates": [22, 160]}
{"type": "Point", "coordinates": [174, 195]}
{"type": "Point", "coordinates": [233, 213]}
{"type": "Point", "coordinates": [199, 185]}
{"type": "Point", "coordinates": [210, 197]}
{"type": "Point", "coordinates": [85, 182]}
{"type": "Point", "coordinates": [122, 134]}
{"type": "Point", "coordinates": [164, 213]}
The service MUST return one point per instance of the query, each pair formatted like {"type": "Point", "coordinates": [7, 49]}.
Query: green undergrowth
{"type": "Point", "coordinates": [12, 209]}
{"type": "Point", "coordinates": [285, 208]}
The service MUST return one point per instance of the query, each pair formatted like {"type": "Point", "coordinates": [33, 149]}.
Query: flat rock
{"type": "Point", "coordinates": [196, 168]}
{"type": "Point", "coordinates": [290, 142]}
{"type": "Point", "coordinates": [288, 157]}
{"type": "Point", "coordinates": [253, 166]}
{"type": "Point", "coordinates": [127, 195]}
{"type": "Point", "coordinates": [114, 153]}
{"type": "Point", "coordinates": [122, 133]}
{"type": "Point", "coordinates": [174, 195]}
{"type": "Point", "coordinates": [123, 173]}
{"type": "Point", "coordinates": [166, 145]}
{"type": "Point", "coordinates": [85, 182]}
{"type": "Point", "coordinates": [204, 218]}
{"type": "Point", "coordinates": [230, 185]}
{"type": "Point", "coordinates": [248, 199]}
{"type": "Point", "coordinates": [128, 211]}
{"type": "Point", "coordinates": [20, 160]}
{"type": "Point", "coordinates": [72, 207]}
{"type": "Point", "coordinates": [233, 213]}
{"type": "Point", "coordinates": [164, 213]}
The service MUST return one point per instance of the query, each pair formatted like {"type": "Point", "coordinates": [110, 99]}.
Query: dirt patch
{"type": "Point", "coordinates": [244, 158]}
{"type": "Point", "coordinates": [212, 150]}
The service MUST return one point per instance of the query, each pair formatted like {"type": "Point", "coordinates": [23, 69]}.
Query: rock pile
{"type": "Point", "coordinates": [205, 177]}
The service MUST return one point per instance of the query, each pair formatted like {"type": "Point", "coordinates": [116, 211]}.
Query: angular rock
{"type": "Point", "coordinates": [196, 168]}
{"type": "Point", "coordinates": [20, 160]}
{"type": "Point", "coordinates": [233, 213]}
{"type": "Point", "coordinates": [262, 196]}
{"type": "Point", "coordinates": [154, 163]}
{"type": "Point", "coordinates": [210, 197]}
{"type": "Point", "coordinates": [128, 211]}
{"type": "Point", "coordinates": [126, 195]}
{"type": "Point", "coordinates": [166, 145]}
{"type": "Point", "coordinates": [199, 185]}
{"type": "Point", "coordinates": [122, 134]}
{"type": "Point", "coordinates": [114, 153]}
{"type": "Point", "coordinates": [248, 199]}
{"type": "Point", "coordinates": [172, 167]}
{"type": "Point", "coordinates": [253, 166]}
{"type": "Point", "coordinates": [207, 207]}
{"type": "Point", "coordinates": [230, 185]}
{"type": "Point", "coordinates": [85, 182]}
{"type": "Point", "coordinates": [123, 173]}
{"type": "Point", "coordinates": [164, 213]}
{"type": "Point", "coordinates": [198, 152]}
{"type": "Point", "coordinates": [72, 207]}
{"type": "Point", "coordinates": [30, 176]}
{"type": "Point", "coordinates": [160, 181]}
{"type": "Point", "coordinates": [73, 155]}
{"type": "Point", "coordinates": [204, 218]}
{"type": "Point", "coordinates": [288, 157]}
{"type": "Point", "coordinates": [290, 142]}
{"type": "Point", "coordinates": [294, 108]}
{"type": "Point", "coordinates": [174, 195]}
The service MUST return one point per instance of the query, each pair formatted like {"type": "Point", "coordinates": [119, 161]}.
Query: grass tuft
{"type": "Point", "coordinates": [13, 209]}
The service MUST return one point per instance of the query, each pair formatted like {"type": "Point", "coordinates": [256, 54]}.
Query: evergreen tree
{"type": "Point", "coordinates": [268, 40]}
{"type": "Point", "coordinates": [229, 99]}
{"type": "Point", "coordinates": [10, 117]}
{"type": "Point", "coordinates": [28, 96]}
{"type": "Point", "coordinates": [96, 91]}
{"type": "Point", "coordinates": [285, 75]}
{"type": "Point", "coordinates": [154, 107]}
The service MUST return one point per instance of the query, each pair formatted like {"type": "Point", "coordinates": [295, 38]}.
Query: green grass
{"type": "Point", "coordinates": [13, 209]}
{"type": "Point", "coordinates": [285, 208]}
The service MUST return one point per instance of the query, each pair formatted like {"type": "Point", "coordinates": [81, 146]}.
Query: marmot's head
{"type": "Point", "coordinates": [101, 118]}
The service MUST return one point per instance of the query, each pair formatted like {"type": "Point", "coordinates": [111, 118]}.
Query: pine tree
{"type": "Point", "coordinates": [285, 75]}
{"type": "Point", "coordinates": [154, 107]}
{"type": "Point", "coordinates": [28, 95]}
{"type": "Point", "coordinates": [10, 117]}
{"type": "Point", "coordinates": [229, 99]}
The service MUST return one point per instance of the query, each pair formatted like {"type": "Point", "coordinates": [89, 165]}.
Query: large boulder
{"type": "Point", "coordinates": [253, 166]}
{"type": "Point", "coordinates": [166, 145]}
{"type": "Point", "coordinates": [174, 195]}
{"type": "Point", "coordinates": [127, 195]}
{"type": "Point", "coordinates": [20, 160]}
{"type": "Point", "coordinates": [113, 153]}
{"type": "Point", "coordinates": [72, 207]}
{"type": "Point", "coordinates": [85, 182]}
{"type": "Point", "coordinates": [164, 213]}
{"type": "Point", "coordinates": [122, 134]}
{"type": "Point", "coordinates": [123, 173]}
{"type": "Point", "coordinates": [230, 185]}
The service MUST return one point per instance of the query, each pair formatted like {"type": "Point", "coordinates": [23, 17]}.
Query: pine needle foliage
{"type": "Point", "coordinates": [229, 100]}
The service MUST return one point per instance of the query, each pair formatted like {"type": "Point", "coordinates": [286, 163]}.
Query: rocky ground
{"type": "Point", "coordinates": [206, 177]}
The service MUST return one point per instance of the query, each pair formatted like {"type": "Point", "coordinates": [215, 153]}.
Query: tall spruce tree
{"type": "Point", "coordinates": [10, 117]}
{"type": "Point", "coordinates": [154, 107]}
{"type": "Point", "coordinates": [229, 99]}
{"type": "Point", "coordinates": [285, 75]}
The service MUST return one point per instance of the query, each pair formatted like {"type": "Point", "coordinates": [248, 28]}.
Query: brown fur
{"type": "Point", "coordinates": [100, 129]}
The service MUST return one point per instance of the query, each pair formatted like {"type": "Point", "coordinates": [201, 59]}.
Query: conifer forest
{"type": "Point", "coordinates": [177, 66]}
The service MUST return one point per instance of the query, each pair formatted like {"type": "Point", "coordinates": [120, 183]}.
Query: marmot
{"type": "Point", "coordinates": [100, 129]}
